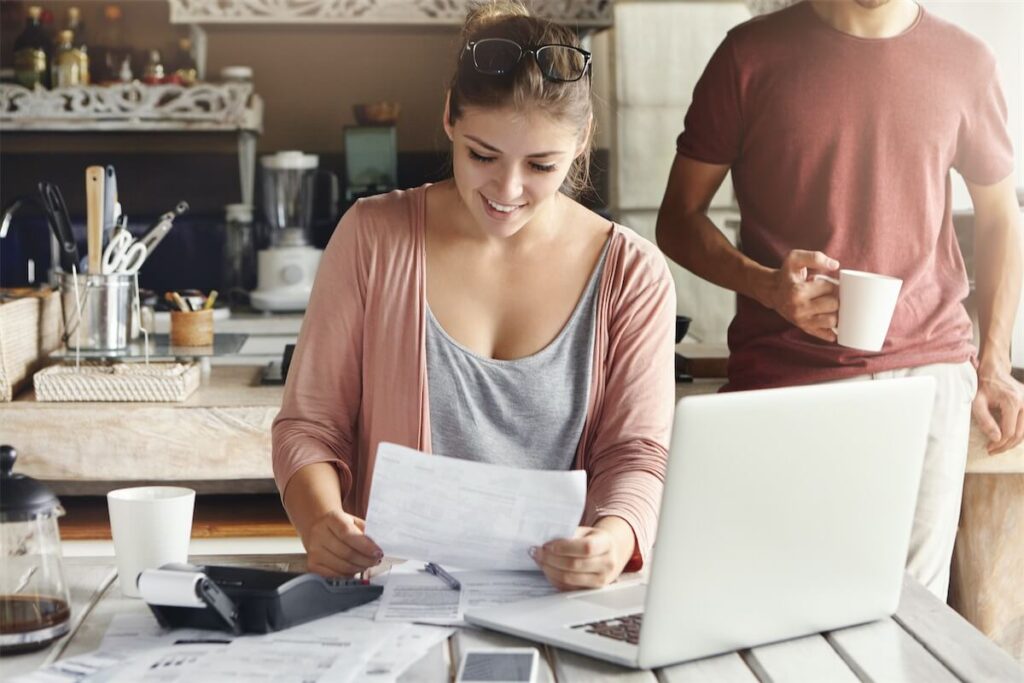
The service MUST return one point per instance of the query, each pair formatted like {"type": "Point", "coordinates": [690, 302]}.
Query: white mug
{"type": "Point", "coordinates": [151, 526]}
{"type": "Point", "coordinates": [866, 305]}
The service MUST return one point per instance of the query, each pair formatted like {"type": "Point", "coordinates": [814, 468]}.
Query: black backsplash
{"type": "Point", "coordinates": [149, 184]}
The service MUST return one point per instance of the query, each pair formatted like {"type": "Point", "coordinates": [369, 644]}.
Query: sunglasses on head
{"type": "Point", "coordinates": [499, 56]}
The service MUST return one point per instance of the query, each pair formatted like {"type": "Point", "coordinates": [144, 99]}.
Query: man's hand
{"type": "Point", "coordinates": [812, 305]}
{"type": "Point", "coordinates": [592, 558]}
{"type": "Point", "coordinates": [336, 545]}
{"type": "Point", "coordinates": [999, 409]}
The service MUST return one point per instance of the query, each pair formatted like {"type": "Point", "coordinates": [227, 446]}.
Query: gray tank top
{"type": "Point", "coordinates": [528, 412]}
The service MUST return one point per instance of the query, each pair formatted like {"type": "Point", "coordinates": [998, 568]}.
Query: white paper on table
{"type": "Point", "coordinates": [489, 588]}
{"type": "Point", "coordinates": [169, 664]}
{"type": "Point", "coordinates": [402, 651]}
{"type": "Point", "coordinates": [424, 598]}
{"type": "Point", "coordinates": [72, 669]}
{"type": "Point", "coordinates": [468, 514]}
{"type": "Point", "coordinates": [335, 648]}
{"type": "Point", "coordinates": [129, 633]}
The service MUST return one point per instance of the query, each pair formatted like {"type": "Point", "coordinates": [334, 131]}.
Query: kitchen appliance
{"type": "Point", "coordinates": [287, 267]}
{"type": "Point", "coordinates": [35, 607]}
{"type": "Point", "coordinates": [371, 160]}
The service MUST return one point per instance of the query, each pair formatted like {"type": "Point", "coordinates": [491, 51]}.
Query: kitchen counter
{"type": "Point", "coordinates": [217, 440]}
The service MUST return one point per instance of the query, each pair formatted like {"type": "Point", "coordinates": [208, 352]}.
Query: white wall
{"type": "Point", "coordinates": [1000, 23]}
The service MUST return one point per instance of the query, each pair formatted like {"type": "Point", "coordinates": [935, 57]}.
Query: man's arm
{"type": "Point", "coordinates": [999, 406]}
{"type": "Point", "coordinates": [688, 237]}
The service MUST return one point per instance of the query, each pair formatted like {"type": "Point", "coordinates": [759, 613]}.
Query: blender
{"type": "Point", "coordinates": [286, 268]}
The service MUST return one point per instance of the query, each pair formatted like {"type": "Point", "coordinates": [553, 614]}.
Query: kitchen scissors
{"type": "Point", "coordinates": [124, 254]}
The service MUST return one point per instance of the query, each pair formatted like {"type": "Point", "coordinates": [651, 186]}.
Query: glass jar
{"type": "Point", "coordinates": [239, 270]}
{"type": "Point", "coordinates": [35, 608]}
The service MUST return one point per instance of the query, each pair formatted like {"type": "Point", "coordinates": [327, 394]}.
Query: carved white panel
{"type": "Point", "coordinates": [583, 13]}
{"type": "Point", "coordinates": [132, 106]}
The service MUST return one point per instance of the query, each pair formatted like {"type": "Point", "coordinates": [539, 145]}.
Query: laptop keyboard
{"type": "Point", "coordinates": [626, 629]}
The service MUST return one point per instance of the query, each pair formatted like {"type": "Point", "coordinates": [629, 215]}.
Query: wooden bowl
{"type": "Point", "coordinates": [376, 113]}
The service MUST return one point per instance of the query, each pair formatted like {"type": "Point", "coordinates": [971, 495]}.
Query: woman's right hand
{"type": "Point", "coordinates": [336, 545]}
{"type": "Point", "coordinates": [810, 304]}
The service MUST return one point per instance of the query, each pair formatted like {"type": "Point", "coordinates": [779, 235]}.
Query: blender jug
{"type": "Point", "coordinates": [287, 267]}
{"type": "Point", "coordinates": [288, 179]}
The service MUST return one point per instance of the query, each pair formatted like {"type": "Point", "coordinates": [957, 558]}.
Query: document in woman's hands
{"type": "Point", "coordinates": [468, 514]}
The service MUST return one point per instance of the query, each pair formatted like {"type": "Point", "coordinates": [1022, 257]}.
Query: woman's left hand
{"type": "Point", "coordinates": [592, 558]}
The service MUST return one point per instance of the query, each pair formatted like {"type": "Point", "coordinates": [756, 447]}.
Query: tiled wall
{"type": "Point", "coordinates": [660, 50]}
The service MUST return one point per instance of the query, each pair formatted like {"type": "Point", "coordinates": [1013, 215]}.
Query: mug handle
{"type": "Point", "coordinates": [827, 278]}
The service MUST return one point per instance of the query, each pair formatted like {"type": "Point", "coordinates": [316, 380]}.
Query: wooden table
{"type": "Point", "coordinates": [925, 641]}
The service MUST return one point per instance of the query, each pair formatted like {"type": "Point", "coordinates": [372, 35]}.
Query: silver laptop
{"type": "Point", "coordinates": [786, 512]}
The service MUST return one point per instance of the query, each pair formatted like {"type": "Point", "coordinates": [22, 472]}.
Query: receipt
{"type": "Point", "coordinates": [468, 514]}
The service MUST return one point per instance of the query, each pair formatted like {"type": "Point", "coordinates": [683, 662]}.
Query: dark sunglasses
{"type": "Point", "coordinates": [498, 56]}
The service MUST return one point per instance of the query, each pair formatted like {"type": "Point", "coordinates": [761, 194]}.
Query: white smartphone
{"type": "Point", "coordinates": [499, 665]}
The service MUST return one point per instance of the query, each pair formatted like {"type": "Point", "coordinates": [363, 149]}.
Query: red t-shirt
{"type": "Point", "coordinates": [844, 145]}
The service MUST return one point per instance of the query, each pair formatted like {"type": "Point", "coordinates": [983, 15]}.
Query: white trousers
{"type": "Point", "coordinates": [937, 515]}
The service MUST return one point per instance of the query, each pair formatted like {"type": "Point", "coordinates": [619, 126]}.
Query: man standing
{"type": "Point", "coordinates": [840, 121]}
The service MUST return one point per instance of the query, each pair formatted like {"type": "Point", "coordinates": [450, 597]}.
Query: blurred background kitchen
{"type": "Point", "coordinates": [269, 118]}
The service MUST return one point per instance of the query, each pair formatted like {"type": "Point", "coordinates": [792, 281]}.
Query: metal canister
{"type": "Point", "coordinates": [97, 310]}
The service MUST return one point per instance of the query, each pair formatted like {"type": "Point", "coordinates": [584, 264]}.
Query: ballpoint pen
{"type": "Point", "coordinates": [439, 571]}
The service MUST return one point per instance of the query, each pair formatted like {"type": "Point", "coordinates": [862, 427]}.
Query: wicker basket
{"type": "Point", "coordinates": [30, 328]}
{"type": "Point", "coordinates": [122, 382]}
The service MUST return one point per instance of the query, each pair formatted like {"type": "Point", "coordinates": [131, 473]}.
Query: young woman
{"type": "Point", "coordinates": [489, 317]}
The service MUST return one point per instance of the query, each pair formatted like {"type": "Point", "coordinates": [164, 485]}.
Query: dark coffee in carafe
{"type": "Point", "coordinates": [30, 622]}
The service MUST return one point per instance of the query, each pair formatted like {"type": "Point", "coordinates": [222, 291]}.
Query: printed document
{"type": "Point", "coordinates": [468, 514]}
{"type": "Point", "coordinates": [424, 598]}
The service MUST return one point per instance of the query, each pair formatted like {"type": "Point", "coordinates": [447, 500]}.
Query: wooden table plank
{"type": "Point", "coordinates": [470, 638]}
{"type": "Point", "coordinates": [883, 651]}
{"type": "Point", "coordinates": [809, 659]}
{"type": "Point", "coordinates": [569, 666]}
{"type": "Point", "coordinates": [727, 668]}
{"type": "Point", "coordinates": [948, 636]}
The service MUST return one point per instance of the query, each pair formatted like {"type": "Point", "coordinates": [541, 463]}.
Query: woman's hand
{"type": "Point", "coordinates": [592, 558]}
{"type": "Point", "coordinates": [336, 545]}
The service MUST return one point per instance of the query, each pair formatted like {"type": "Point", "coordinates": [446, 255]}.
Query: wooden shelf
{"type": "Point", "coordinates": [129, 107]}
{"type": "Point", "coordinates": [222, 516]}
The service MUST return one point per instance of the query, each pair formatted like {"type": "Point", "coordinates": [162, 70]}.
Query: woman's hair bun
{"type": "Point", "coordinates": [483, 14]}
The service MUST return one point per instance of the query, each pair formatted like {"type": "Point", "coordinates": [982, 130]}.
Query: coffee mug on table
{"type": "Point", "coordinates": [866, 304]}
{"type": "Point", "coordinates": [151, 526]}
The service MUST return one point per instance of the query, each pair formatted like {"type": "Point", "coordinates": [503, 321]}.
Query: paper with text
{"type": "Point", "coordinates": [424, 598]}
{"type": "Point", "coordinates": [468, 514]}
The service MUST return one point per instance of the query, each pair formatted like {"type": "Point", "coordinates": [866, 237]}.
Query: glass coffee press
{"type": "Point", "coordinates": [34, 603]}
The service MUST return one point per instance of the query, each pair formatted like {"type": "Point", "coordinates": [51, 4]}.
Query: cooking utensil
{"type": "Point", "coordinates": [60, 224]}
{"type": "Point", "coordinates": [94, 182]}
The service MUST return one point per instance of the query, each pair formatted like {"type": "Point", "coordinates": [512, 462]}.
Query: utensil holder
{"type": "Point", "coordinates": [192, 328]}
{"type": "Point", "coordinates": [96, 310]}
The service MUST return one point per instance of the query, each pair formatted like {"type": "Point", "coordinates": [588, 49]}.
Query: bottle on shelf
{"type": "Point", "coordinates": [183, 69]}
{"type": "Point", "coordinates": [77, 27]}
{"type": "Point", "coordinates": [32, 52]}
{"type": "Point", "coordinates": [154, 73]}
{"type": "Point", "coordinates": [110, 56]}
{"type": "Point", "coordinates": [69, 66]}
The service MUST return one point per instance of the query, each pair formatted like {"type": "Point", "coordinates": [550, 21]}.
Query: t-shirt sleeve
{"type": "Point", "coordinates": [711, 131]}
{"type": "Point", "coordinates": [984, 152]}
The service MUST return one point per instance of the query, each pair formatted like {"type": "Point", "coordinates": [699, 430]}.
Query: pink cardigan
{"type": "Point", "coordinates": [358, 375]}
